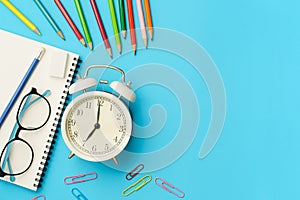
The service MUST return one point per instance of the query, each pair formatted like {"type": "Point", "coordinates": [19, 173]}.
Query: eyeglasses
{"type": "Point", "coordinates": [21, 153]}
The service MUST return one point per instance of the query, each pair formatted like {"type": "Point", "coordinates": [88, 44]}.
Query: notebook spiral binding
{"type": "Point", "coordinates": [71, 77]}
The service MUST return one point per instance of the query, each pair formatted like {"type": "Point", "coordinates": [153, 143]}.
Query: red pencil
{"type": "Point", "coordinates": [70, 21]}
{"type": "Point", "coordinates": [101, 27]}
{"type": "Point", "coordinates": [131, 25]}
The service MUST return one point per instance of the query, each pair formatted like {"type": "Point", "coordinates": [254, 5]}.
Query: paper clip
{"type": "Point", "coordinates": [78, 194]}
{"type": "Point", "coordinates": [134, 172]}
{"type": "Point", "coordinates": [39, 197]}
{"type": "Point", "coordinates": [145, 179]}
{"type": "Point", "coordinates": [80, 178]}
{"type": "Point", "coordinates": [161, 183]}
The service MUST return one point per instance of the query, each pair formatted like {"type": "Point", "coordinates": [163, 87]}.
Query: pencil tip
{"type": "Point", "coordinates": [145, 42]}
{"type": "Point", "coordinates": [83, 42]}
{"type": "Point", "coordinates": [134, 49]}
{"type": "Point", "coordinates": [61, 35]}
{"type": "Point", "coordinates": [124, 34]}
{"type": "Point", "coordinates": [119, 48]}
{"type": "Point", "coordinates": [37, 32]}
{"type": "Point", "coordinates": [151, 34]}
{"type": "Point", "coordinates": [91, 45]}
{"type": "Point", "coordinates": [109, 52]}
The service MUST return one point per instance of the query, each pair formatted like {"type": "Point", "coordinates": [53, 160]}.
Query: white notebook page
{"type": "Point", "coordinates": [16, 55]}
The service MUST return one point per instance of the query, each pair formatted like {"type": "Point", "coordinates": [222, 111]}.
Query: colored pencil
{"type": "Point", "coordinates": [84, 24]}
{"type": "Point", "coordinates": [49, 18]}
{"type": "Point", "coordinates": [148, 18]}
{"type": "Point", "coordinates": [22, 17]}
{"type": "Point", "coordinates": [142, 21]}
{"type": "Point", "coordinates": [70, 21]}
{"type": "Point", "coordinates": [101, 27]}
{"type": "Point", "coordinates": [131, 25]}
{"type": "Point", "coordinates": [21, 86]}
{"type": "Point", "coordinates": [115, 24]}
{"type": "Point", "coordinates": [122, 17]}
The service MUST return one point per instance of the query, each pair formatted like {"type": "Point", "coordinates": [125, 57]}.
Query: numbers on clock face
{"type": "Point", "coordinates": [97, 125]}
{"type": "Point", "coordinates": [88, 105]}
{"type": "Point", "coordinates": [79, 112]}
{"type": "Point", "coordinates": [116, 139]}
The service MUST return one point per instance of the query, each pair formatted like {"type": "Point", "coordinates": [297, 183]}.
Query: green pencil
{"type": "Point", "coordinates": [84, 24]}
{"type": "Point", "coordinates": [115, 24]}
{"type": "Point", "coordinates": [122, 17]}
{"type": "Point", "coordinates": [49, 18]}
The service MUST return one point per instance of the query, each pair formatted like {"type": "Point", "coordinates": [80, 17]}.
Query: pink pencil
{"type": "Point", "coordinates": [142, 21]}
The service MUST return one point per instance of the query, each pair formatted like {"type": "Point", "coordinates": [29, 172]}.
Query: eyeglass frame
{"type": "Point", "coordinates": [21, 128]}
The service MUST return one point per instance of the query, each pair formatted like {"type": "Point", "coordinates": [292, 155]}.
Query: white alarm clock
{"type": "Point", "coordinates": [97, 125]}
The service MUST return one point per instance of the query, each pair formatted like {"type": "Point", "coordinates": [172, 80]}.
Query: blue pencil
{"type": "Point", "coordinates": [21, 86]}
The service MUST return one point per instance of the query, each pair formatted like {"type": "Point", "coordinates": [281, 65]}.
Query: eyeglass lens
{"type": "Point", "coordinates": [18, 164]}
{"type": "Point", "coordinates": [40, 108]}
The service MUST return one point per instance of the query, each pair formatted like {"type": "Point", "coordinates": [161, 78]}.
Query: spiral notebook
{"type": "Point", "coordinates": [54, 72]}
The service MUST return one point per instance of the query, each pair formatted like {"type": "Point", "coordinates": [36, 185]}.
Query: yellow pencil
{"type": "Point", "coordinates": [24, 19]}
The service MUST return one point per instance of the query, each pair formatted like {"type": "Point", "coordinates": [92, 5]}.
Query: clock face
{"type": "Point", "coordinates": [96, 126]}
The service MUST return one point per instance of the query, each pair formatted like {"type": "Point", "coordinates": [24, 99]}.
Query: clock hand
{"type": "Point", "coordinates": [97, 126]}
{"type": "Point", "coordinates": [98, 113]}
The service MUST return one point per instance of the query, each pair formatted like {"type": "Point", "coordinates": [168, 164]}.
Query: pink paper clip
{"type": "Point", "coordinates": [171, 188]}
{"type": "Point", "coordinates": [39, 197]}
{"type": "Point", "coordinates": [80, 178]}
{"type": "Point", "coordinates": [134, 172]}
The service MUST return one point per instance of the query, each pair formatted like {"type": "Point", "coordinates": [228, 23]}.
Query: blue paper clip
{"type": "Point", "coordinates": [78, 194]}
{"type": "Point", "coordinates": [80, 178]}
{"type": "Point", "coordinates": [39, 197]}
{"type": "Point", "coordinates": [144, 180]}
{"type": "Point", "coordinates": [134, 172]}
{"type": "Point", "coordinates": [171, 188]}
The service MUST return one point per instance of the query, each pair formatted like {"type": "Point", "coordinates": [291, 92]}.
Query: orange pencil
{"type": "Point", "coordinates": [148, 18]}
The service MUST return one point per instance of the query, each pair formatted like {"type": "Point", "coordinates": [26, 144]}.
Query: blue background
{"type": "Point", "coordinates": [255, 45]}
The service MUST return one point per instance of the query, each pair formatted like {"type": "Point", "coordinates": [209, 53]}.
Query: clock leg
{"type": "Point", "coordinates": [71, 155]}
{"type": "Point", "coordinates": [115, 160]}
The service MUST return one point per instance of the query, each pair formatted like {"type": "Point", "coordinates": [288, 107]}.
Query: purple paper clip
{"type": "Point", "coordinates": [134, 172]}
{"type": "Point", "coordinates": [80, 178]}
{"type": "Point", "coordinates": [39, 197]}
{"type": "Point", "coordinates": [171, 188]}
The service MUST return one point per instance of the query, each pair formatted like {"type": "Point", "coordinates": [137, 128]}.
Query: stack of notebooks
{"type": "Point", "coordinates": [55, 73]}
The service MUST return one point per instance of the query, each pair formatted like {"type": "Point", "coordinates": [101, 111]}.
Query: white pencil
{"type": "Point", "coordinates": [142, 21]}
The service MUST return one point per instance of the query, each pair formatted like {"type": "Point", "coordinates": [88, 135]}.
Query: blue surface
{"type": "Point", "coordinates": [255, 45]}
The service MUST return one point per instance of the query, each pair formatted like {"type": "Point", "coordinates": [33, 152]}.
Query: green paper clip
{"type": "Point", "coordinates": [145, 179]}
